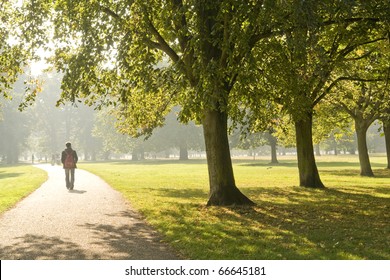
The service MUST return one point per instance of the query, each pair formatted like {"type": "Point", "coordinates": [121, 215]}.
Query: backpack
{"type": "Point", "coordinates": [69, 160]}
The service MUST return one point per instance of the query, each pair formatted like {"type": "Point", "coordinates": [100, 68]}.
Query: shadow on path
{"type": "Point", "coordinates": [32, 247]}
{"type": "Point", "coordinates": [92, 221]}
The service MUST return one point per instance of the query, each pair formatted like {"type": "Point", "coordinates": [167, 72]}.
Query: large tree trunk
{"type": "Point", "coordinates": [308, 172]}
{"type": "Point", "coordinates": [273, 143]}
{"type": "Point", "coordinates": [134, 155]}
{"type": "Point", "coordinates": [386, 129]}
{"type": "Point", "coordinates": [183, 150]}
{"type": "Point", "coordinates": [364, 160]}
{"type": "Point", "coordinates": [223, 190]}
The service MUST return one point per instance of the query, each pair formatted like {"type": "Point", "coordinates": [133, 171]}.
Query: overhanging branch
{"type": "Point", "coordinates": [344, 78]}
{"type": "Point", "coordinates": [161, 44]}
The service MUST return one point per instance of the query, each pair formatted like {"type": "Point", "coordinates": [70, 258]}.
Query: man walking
{"type": "Point", "coordinates": [69, 159]}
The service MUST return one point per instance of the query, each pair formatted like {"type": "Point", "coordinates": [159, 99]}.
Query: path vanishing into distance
{"type": "Point", "coordinates": [93, 221]}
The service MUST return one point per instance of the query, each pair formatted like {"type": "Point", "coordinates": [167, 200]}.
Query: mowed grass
{"type": "Point", "coordinates": [18, 181]}
{"type": "Point", "coordinates": [348, 220]}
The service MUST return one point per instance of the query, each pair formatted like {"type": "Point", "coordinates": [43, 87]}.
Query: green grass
{"type": "Point", "coordinates": [16, 182]}
{"type": "Point", "coordinates": [348, 220]}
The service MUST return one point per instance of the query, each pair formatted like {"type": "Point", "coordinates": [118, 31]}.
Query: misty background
{"type": "Point", "coordinates": [40, 132]}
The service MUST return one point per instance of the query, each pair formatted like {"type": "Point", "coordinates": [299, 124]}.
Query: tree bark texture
{"type": "Point", "coordinates": [364, 159]}
{"type": "Point", "coordinates": [386, 129]}
{"type": "Point", "coordinates": [223, 190]}
{"type": "Point", "coordinates": [308, 172]}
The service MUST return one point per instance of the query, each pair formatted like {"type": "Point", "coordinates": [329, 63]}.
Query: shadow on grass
{"type": "Point", "coordinates": [320, 164]}
{"type": "Point", "coordinates": [378, 173]}
{"type": "Point", "coordinates": [266, 164]}
{"type": "Point", "coordinates": [149, 162]}
{"type": "Point", "coordinates": [4, 175]}
{"type": "Point", "coordinates": [287, 223]}
{"type": "Point", "coordinates": [179, 193]}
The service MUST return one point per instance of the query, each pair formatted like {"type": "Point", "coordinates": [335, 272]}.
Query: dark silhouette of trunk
{"type": "Point", "coordinates": [273, 143]}
{"type": "Point", "coordinates": [386, 129]}
{"type": "Point", "coordinates": [134, 155]}
{"type": "Point", "coordinates": [361, 127]}
{"type": "Point", "coordinates": [12, 147]}
{"type": "Point", "coordinates": [223, 190]}
{"type": "Point", "coordinates": [142, 154]}
{"type": "Point", "coordinates": [308, 172]}
{"type": "Point", "coordinates": [183, 151]}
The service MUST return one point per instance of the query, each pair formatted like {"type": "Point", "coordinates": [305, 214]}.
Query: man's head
{"type": "Point", "coordinates": [68, 145]}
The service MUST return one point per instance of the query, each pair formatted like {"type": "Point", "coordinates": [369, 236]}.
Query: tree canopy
{"type": "Point", "coordinates": [218, 60]}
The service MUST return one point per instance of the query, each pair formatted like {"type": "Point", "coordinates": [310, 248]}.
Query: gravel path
{"type": "Point", "coordinates": [91, 222]}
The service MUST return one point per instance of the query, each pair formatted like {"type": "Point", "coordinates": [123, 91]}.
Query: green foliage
{"type": "Point", "coordinates": [12, 55]}
{"type": "Point", "coordinates": [329, 120]}
{"type": "Point", "coordinates": [149, 56]}
{"type": "Point", "coordinates": [176, 135]}
{"type": "Point", "coordinates": [299, 64]}
{"type": "Point", "coordinates": [364, 91]}
{"type": "Point", "coordinates": [112, 140]}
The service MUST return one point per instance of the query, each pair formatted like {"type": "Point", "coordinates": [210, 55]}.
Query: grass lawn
{"type": "Point", "coordinates": [348, 220]}
{"type": "Point", "coordinates": [18, 181]}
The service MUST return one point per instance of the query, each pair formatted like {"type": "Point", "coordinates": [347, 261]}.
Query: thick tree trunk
{"type": "Point", "coordinates": [12, 149]}
{"type": "Point", "coordinates": [273, 143]}
{"type": "Point", "coordinates": [183, 151]}
{"type": "Point", "coordinates": [386, 129]}
{"type": "Point", "coordinates": [142, 154]}
{"type": "Point", "coordinates": [134, 155]}
{"type": "Point", "coordinates": [308, 172]}
{"type": "Point", "coordinates": [223, 190]}
{"type": "Point", "coordinates": [364, 159]}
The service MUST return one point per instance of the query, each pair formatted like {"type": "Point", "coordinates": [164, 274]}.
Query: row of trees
{"type": "Point", "coordinates": [254, 62]}
{"type": "Point", "coordinates": [43, 128]}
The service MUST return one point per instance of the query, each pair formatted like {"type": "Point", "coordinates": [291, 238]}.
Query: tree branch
{"type": "Point", "coordinates": [361, 56]}
{"type": "Point", "coordinates": [350, 20]}
{"type": "Point", "coordinates": [339, 79]}
{"type": "Point", "coordinates": [161, 44]}
{"type": "Point", "coordinates": [109, 12]}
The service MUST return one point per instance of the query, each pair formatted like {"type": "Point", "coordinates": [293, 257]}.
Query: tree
{"type": "Point", "coordinates": [340, 140]}
{"type": "Point", "coordinates": [150, 55]}
{"type": "Point", "coordinates": [298, 67]}
{"type": "Point", "coordinates": [147, 56]}
{"type": "Point", "coordinates": [254, 140]}
{"type": "Point", "coordinates": [177, 135]}
{"type": "Point", "coordinates": [385, 118]}
{"type": "Point", "coordinates": [332, 128]}
{"type": "Point", "coordinates": [12, 55]}
{"type": "Point", "coordinates": [112, 141]}
{"type": "Point", "coordinates": [13, 126]}
{"type": "Point", "coordinates": [363, 104]}
{"type": "Point", "coordinates": [363, 94]}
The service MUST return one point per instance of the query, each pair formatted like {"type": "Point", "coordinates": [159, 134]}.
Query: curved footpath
{"type": "Point", "coordinates": [92, 221]}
